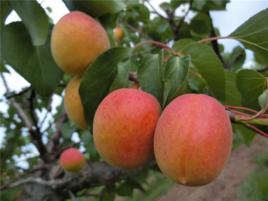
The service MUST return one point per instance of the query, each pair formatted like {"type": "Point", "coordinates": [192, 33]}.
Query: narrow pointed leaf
{"type": "Point", "coordinates": [207, 63]}
{"type": "Point", "coordinates": [251, 84]}
{"type": "Point", "coordinates": [97, 79]}
{"type": "Point", "coordinates": [254, 35]}
{"type": "Point", "coordinates": [149, 76]}
{"type": "Point", "coordinates": [35, 19]}
{"type": "Point", "coordinates": [34, 63]}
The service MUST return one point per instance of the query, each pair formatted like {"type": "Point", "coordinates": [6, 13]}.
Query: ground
{"type": "Point", "coordinates": [225, 187]}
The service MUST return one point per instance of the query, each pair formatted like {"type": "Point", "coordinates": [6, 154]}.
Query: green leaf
{"type": "Point", "coordinates": [87, 139]}
{"type": "Point", "coordinates": [34, 63]}
{"type": "Point", "coordinates": [263, 98]}
{"type": "Point", "coordinates": [121, 79]}
{"type": "Point", "coordinates": [149, 75]}
{"type": "Point", "coordinates": [107, 194]}
{"type": "Point", "coordinates": [159, 29]}
{"type": "Point", "coordinates": [250, 84]}
{"type": "Point", "coordinates": [242, 135]}
{"type": "Point", "coordinates": [96, 8]}
{"type": "Point", "coordinates": [10, 194]}
{"type": "Point", "coordinates": [200, 25]}
{"type": "Point", "coordinates": [5, 9]}
{"type": "Point", "coordinates": [254, 35]}
{"type": "Point", "coordinates": [97, 79]}
{"type": "Point", "coordinates": [175, 73]}
{"type": "Point", "coordinates": [137, 13]}
{"type": "Point", "coordinates": [195, 81]}
{"type": "Point", "coordinates": [232, 94]}
{"type": "Point", "coordinates": [176, 3]}
{"type": "Point", "coordinates": [124, 189]}
{"type": "Point", "coordinates": [207, 63]}
{"type": "Point", "coordinates": [35, 19]}
{"type": "Point", "coordinates": [206, 5]}
{"type": "Point", "coordinates": [235, 59]}
{"type": "Point", "coordinates": [255, 188]}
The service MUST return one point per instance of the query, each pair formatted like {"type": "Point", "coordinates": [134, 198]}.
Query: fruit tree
{"type": "Point", "coordinates": [118, 89]}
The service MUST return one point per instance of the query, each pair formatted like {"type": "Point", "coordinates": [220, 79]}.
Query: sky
{"type": "Point", "coordinates": [237, 12]}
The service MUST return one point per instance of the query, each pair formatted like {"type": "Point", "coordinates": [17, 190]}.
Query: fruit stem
{"type": "Point", "coordinates": [257, 121]}
{"type": "Point", "coordinates": [213, 38]}
{"type": "Point", "coordinates": [158, 44]}
{"type": "Point", "coordinates": [244, 118]}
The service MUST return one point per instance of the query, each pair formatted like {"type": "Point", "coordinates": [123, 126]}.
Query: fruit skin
{"type": "Point", "coordinates": [123, 127]}
{"type": "Point", "coordinates": [72, 160]}
{"type": "Point", "coordinates": [118, 34]}
{"type": "Point", "coordinates": [193, 139]}
{"type": "Point", "coordinates": [73, 104]}
{"type": "Point", "coordinates": [76, 41]}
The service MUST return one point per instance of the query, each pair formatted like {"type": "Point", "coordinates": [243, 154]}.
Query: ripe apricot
{"type": "Point", "coordinates": [73, 104]}
{"type": "Point", "coordinates": [123, 127]}
{"type": "Point", "coordinates": [193, 139]}
{"type": "Point", "coordinates": [76, 41]}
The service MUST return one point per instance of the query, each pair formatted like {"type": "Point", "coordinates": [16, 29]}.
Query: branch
{"type": "Point", "coordinates": [14, 94]}
{"type": "Point", "coordinates": [205, 40]}
{"type": "Point", "coordinates": [94, 174]}
{"type": "Point", "coordinates": [158, 44]}
{"type": "Point", "coordinates": [37, 140]}
{"type": "Point", "coordinates": [154, 10]}
{"type": "Point", "coordinates": [176, 29]}
{"type": "Point", "coordinates": [23, 115]}
{"type": "Point", "coordinates": [263, 70]}
{"type": "Point", "coordinates": [214, 43]}
{"type": "Point", "coordinates": [54, 142]}
{"type": "Point", "coordinates": [133, 77]}
{"type": "Point", "coordinates": [239, 117]}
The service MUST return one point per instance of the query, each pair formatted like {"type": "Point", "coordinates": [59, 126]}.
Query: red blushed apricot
{"type": "Point", "coordinates": [123, 127]}
{"type": "Point", "coordinates": [76, 41]}
{"type": "Point", "coordinates": [72, 160]}
{"type": "Point", "coordinates": [193, 139]}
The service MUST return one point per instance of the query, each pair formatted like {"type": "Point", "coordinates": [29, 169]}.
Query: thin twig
{"type": "Point", "coordinates": [27, 121]}
{"type": "Point", "coordinates": [263, 70]}
{"type": "Point", "coordinates": [159, 44]}
{"type": "Point", "coordinates": [257, 130]}
{"type": "Point", "coordinates": [154, 10]}
{"type": "Point", "coordinates": [176, 29]}
{"type": "Point", "coordinates": [23, 115]}
{"type": "Point", "coordinates": [214, 43]}
{"type": "Point", "coordinates": [261, 112]}
{"type": "Point", "coordinates": [13, 94]}
{"type": "Point", "coordinates": [206, 40]}
{"type": "Point", "coordinates": [241, 108]}
{"type": "Point", "coordinates": [133, 77]}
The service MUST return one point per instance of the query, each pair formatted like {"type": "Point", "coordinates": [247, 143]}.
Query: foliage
{"type": "Point", "coordinates": [255, 187]}
{"type": "Point", "coordinates": [194, 64]}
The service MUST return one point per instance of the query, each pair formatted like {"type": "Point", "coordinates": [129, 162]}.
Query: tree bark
{"type": "Point", "coordinates": [94, 174]}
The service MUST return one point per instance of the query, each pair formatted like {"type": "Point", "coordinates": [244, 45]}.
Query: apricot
{"type": "Point", "coordinates": [118, 34]}
{"type": "Point", "coordinates": [193, 139]}
{"type": "Point", "coordinates": [73, 104]}
{"type": "Point", "coordinates": [123, 127]}
{"type": "Point", "coordinates": [72, 160]}
{"type": "Point", "coordinates": [76, 41]}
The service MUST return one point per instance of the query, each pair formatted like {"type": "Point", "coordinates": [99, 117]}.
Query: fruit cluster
{"type": "Point", "coordinates": [191, 138]}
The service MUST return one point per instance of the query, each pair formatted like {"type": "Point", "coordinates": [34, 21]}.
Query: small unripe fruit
{"type": "Point", "coordinates": [76, 41]}
{"type": "Point", "coordinates": [123, 127]}
{"type": "Point", "coordinates": [73, 104]}
{"type": "Point", "coordinates": [118, 34]}
{"type": "Point", "coordinates": [72, 160]}
{"type": "Point", "coordinates": [193, 139]}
